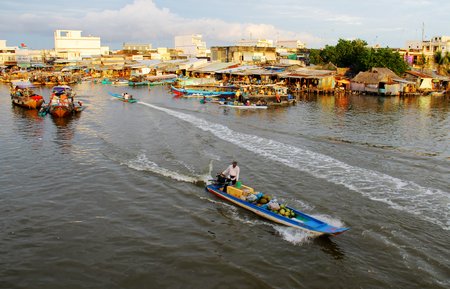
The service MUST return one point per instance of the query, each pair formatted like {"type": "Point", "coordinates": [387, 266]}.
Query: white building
{"type": "Point", "coordinates": [140, 47]}
{"type": "Point", "coordinates": [192, 45]}
{"type": "Point", "coordinates": [70, 45]}
{"type": "Point", "coordinates": [7, 54]}
{"type": "Point", "coordinates": [290, 44]}
{"type": "Point", "coordinates": [255, 42]}
{"type": "Point", "coordinates": [429, 47]}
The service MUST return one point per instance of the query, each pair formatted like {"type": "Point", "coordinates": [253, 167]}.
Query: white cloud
{"type": "Point", "coordinates": [143, 21]}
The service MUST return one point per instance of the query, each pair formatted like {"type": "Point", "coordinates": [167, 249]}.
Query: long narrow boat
{"type": "Point", "coordinates": [200, 92]}
{"type": "Point", "coordinates": [241, 106]}
{"type": "Point", "coordinates": [137, 83]}
{"type": "Point", "coordinates": [120, 83]}
{"type": "Point", "coordinates": [120, 97]}
{"type": "Point", "coordinates": [284, 215]}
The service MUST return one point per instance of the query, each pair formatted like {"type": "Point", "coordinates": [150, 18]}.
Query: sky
{"type": "Point", "coordinates": [388, 23]}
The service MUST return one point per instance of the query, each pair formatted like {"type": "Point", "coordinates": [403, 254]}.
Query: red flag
{"type": "Point", "coordinates": [22, 45]}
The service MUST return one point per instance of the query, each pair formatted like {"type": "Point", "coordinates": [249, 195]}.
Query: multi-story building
{"type": "Point", "coordinates": [421, 53]}
{"type": "Point", "coordinates": [290, 44]}
{"type": "Point", "coordinates": [244, 54]}
{"type": "Point", "coordinates": [192, 45]}
{"type": "Point", "coordinates": [255, 42]}
{"type": "Point", "coordinates": [7, 54]}
{"type": "Point", "coordinates": [139, 47]}
{"type": "Point", "coordinates": [70, 45]}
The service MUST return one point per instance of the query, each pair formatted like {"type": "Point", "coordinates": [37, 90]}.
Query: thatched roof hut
{"type": "Point", "coordinates": [378, 80]}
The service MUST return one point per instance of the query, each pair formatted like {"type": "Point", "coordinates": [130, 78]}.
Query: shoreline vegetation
{"type": "Point", "coordinates": [350, 67]}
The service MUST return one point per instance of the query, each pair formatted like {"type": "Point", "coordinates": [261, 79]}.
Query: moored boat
{"type": "Point", "coordinates": [214, 91]}
{"type": "Point", "coordinates": [262, 205]}
{"type": "Point", "coordinates": [22, 95]}
{"type": "Point", "coordinates": [120, 82]}
{"type": "Point", "coordinates": [154, 80]}
{"type": "Point", "coordinates": [242, 106]}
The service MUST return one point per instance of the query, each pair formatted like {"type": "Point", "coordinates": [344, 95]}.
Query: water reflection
{"type": "Point", "coordinates": [328, 246]}
{"type": "Point", "coordinates": [29, 123]}
{"type": "Point", "coordinates": [65, 131]}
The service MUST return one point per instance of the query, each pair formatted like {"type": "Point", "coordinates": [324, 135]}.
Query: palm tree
{"type": "Point", "coordinates": [441, 60]}
{"type": "Point", "coordinates": [422, 61]}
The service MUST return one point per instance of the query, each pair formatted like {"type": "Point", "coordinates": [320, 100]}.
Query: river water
{"type": "Point", "coordinates": [114, 198]}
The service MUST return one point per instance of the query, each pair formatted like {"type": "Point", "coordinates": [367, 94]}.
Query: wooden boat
{"type": "Point", "coordinates": [437, 93]}
{"type": "Point", "coordinates": [155, 80]}
{"type": "Point", "coordinates": [242, 106]}
{"type": "Point", "coordinates": [62, 103]}
{"type": "Point", "coordinates": [217, 91]}
{"type": "Point", "coordinates": [120, 83]}
{"type": "Point", "coordinates": [137, 83]}
{"type": "Point", "coordinates": [120, 97]}
{"type": "Point", "coordinates": [284, 215]}
{"type": "Point", "coordinates": [60, 110]}
{"type": "Point", "coordinates": [22, 95]}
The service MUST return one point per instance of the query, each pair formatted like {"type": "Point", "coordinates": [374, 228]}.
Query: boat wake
{"type": "Point", "coordinates": [428, 203]}
{"type": "Point", "coordinates": [293, 235]}
{"type": "Point", "coordinates": [142, 163]}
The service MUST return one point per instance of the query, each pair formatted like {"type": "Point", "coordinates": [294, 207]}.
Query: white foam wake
{"type": "Point", "coordinates": [430, 204]}
{"type": "Point", "coordinates": [142, 163]}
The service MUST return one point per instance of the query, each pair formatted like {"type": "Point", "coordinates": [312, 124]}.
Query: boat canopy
{"type": "Point", "coordinates": [22, 84]}
{"type": "Point", "coordinates": [61, 89]}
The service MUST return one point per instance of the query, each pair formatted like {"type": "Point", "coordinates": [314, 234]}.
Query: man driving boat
{"type": "Point", "coordinates": [232, 172]}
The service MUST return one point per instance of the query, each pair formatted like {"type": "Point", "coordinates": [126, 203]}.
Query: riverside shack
{"type": "Point", "coordinates": [378, 81]}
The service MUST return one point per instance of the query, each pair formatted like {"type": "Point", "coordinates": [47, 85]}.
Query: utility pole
{"type": "Point", "coordinates": [423, 32]}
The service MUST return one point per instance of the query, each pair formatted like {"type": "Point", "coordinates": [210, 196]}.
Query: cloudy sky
{"type": "Point", "coordinates": [223, 22]}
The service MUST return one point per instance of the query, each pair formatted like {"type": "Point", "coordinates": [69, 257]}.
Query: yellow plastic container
{"type": "Point", "coordinates": [234, 191]}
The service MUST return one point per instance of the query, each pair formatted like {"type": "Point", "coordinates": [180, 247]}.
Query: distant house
{"type": "Point", "coordinates": [422, 80]}
{"type": "Point", "coordinates": [378, 80]}
{"type": "Point", "coordinates": [312, 79]}
{"type": "Point", "coordinates": [244, 54]}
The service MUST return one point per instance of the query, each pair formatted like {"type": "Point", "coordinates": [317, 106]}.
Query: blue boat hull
{"type": "Point", "coordinates": [301, 221]}
{"type": "Point", "coordinates": [202, 92]}
{"type": "Point", "coordinates": [120, 97]}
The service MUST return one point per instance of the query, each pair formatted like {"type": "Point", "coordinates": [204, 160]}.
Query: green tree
{"type": "Point", "coordinates": [422, 61]}
{"type": "Point", "coordinates": [384, 57]}
{"type": "Point", "coordinates": [314, 56]}
{"type": "Point", "coordinates": [358, 57]}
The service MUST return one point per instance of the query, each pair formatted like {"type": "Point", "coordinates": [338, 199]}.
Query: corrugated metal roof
{"type": "Point", "coordinates": [308, 73]}
{"type": "Point", "coordinates": [419, 74]}
{"type": "Point", "coordinates": [237, 69]}
{"type": "Point", "coordinates": [213, 67]}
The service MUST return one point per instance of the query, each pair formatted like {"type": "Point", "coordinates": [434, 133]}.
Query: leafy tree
{"type": "Point", "coordinates": [314, 56]}
{"type": "Point", "coordinates": [422, 61]}
{"type": "Point", "coordinates": [356, 55]}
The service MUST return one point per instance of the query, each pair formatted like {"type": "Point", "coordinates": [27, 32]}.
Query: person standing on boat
{"type": "Point", "coordinates": [232, 173]}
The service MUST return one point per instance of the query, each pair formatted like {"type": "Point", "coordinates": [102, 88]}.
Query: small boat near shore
{"type": "Point", "coordinates": [268, 208]}
{"type": "Point", "coordinates": [22, 95]}
{"type": "Point", "coordinates": [120, 82]}
{"type": "Point", "coordinates": [216, 91]}
{"type": "Point", "coordinates": [122, 98]}
{"type": "Point", "coordinates": [241, 105]}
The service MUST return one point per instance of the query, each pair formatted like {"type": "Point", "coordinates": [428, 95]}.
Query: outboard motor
{"type": "Point", "coordinates": [221, 180]}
